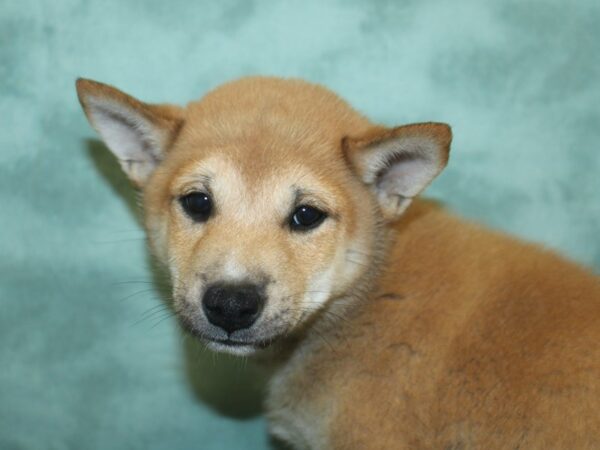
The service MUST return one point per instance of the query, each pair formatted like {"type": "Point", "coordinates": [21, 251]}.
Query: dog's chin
{"type": "Point", "coordinates": [232, 348]}
{"type": "Point", "coordinates": [242, 343]}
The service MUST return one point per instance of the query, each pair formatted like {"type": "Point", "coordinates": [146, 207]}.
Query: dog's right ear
{"type": "Point", "coordinates": [139, 134]}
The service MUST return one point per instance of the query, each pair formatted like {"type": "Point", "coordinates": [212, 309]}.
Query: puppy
{"type": "Point", "coordinates": [283, 218]}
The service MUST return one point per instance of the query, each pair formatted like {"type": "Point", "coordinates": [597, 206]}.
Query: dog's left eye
{"type": "Point", "coordinates": [306, 218]}
{"type": "Point", "coordinates": [197, 205]}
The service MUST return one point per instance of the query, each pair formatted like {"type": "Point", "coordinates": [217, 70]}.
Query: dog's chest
{"type": "Point", "coordinates": [298, 410]}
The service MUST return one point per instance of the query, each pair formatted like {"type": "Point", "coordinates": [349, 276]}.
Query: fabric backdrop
{"type": "Point", "coordinates": [88, 357]}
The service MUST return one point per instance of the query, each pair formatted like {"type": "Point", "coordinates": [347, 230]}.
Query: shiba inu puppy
{"type": "Point", "coordinates": [289, 225]}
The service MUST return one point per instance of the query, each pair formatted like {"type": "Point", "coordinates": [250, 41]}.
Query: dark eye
{"type": "Point", "coordinates": [197, 205]}
{"type": "Point", "coordinates": [306, 218]}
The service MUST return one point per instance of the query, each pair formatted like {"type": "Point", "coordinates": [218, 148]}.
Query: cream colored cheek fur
{"type": "Point", "coordinates": [346, 266]}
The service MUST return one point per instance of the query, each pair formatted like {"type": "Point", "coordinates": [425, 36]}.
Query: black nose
{"type": "Point", "coordinates": [232, 306]}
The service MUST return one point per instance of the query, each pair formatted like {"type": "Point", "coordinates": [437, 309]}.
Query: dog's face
{"type": "Point", "coordinates": [257, 200]}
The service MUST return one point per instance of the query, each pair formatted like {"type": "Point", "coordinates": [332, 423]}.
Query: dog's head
{"type": "Point", "coordinates": [265, 200]}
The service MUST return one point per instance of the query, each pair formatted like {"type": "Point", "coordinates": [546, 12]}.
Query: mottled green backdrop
{"type": "Point", "coordinates": [85, 360]}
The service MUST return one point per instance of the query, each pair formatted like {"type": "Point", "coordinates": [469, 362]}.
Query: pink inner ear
{"type": "Point", "coordinates": [134, 140]}
{"type": "Point", "coordinates": [406, 176]}
{"type": "Point", "coordinates": [124, 137]}
{"type": "Point", "coordinates": [406, 166]}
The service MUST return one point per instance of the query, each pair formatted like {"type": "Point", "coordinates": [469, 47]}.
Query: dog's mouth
{"type": "Point", "coordinates": [235, 347]}
{"type": "Point", "coordinates": [241, 346]}
{"type": "Point", "coordinates": [236, 343]}
{"type": "Point", "coordinates": [243, 342]}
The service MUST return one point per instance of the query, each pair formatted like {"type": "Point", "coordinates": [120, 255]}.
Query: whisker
{"type": "Point", "coordinates": [168, 316]}
{"type": "Point", "coordinates": [153, 314]}
{"type": "Point", "coordinates": [145, 291]}
{"type": "Point", "coordinates": [117, 283]}
{"type": "Point", "coordinates": [119, 241]}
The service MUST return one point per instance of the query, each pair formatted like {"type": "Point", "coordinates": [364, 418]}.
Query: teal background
{"type": "Point", "coordinates": [85, 360]}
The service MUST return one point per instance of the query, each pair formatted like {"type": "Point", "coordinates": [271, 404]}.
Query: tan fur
{"type": "Point", "coordinates": [417, 333]}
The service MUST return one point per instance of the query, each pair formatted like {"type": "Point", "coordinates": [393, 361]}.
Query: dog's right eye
{"type": "Point", "coordinates": [197, 205]}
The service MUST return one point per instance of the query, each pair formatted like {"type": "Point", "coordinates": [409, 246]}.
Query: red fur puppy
{"type": "Point", "coordinates": [289, 225]}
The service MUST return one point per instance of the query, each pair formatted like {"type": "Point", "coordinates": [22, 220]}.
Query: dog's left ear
{"type": "Point", "coordinates": [398, 163]}
{"type": "Point", "coordinates": [138, 133]}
